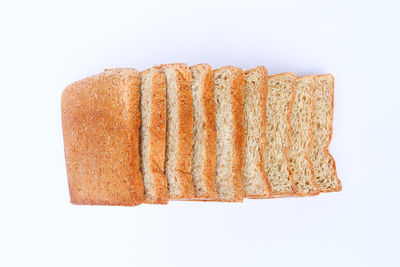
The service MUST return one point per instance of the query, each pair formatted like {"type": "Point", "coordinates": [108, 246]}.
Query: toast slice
{"type": "Point", "coordinates": [179, 138]}
{"type": "Point", "coordinates": [255, 91]}
{"type": "Point", "coordinates": [152, 135]}
{"type": "Point", "coordinates": [101, 120]}
{"type": "Point", "coordinates": [301, 120]}
{"type": "Point", "coordinates": [279, 103]}
{"type": "Point", "coordinates": [204, 133]}
{"type": "Point", "coordinates": [228, 89]}
{"type": "Point", "coordinates": [324, 165]}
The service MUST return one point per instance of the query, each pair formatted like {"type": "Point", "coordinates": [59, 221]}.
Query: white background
{"type": "Point", "coordinates": [44, 46]}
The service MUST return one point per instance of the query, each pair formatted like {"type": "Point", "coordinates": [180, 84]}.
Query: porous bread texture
{"type": "Point", "coordinates": [324, 165]}
{"type": "Point", "coordinates": [101, 120]}
{"type": "Point", "coordinates": [301, 120]}
{"type": "Point", "coordinates": [228, 89]}
{"type": "Point", "coordinates": [152, 135]}
{"type": "Point", "coordinates": [179, 138]}
{"type": "Point", "coordinates": [254, 100]}
{"type": "Point", "coordinates": [279, 102]}
{"type": "Point", "coordinates": [204, 133]}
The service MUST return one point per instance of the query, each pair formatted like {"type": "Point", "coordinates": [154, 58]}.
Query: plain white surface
{"type": "Point", "coordinates": [47, 45]}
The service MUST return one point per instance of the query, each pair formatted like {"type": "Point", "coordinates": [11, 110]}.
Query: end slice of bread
{"type": "Point", "coordinates": [101, 120]}
{"type": "Point", "coordinates": [255, 91]}
{"type": "Point", "coordinates": [152, 135]}
{"type": "Point", "coordinates": [179, 137]}
{"type": "Point", "coordinates": [204, 133]}
{"type": "Point", "coordinates": [324, 165]}
{"type": "Point", "coordinates": [228, 88]}
{"type": "Point", "coordinates": [279, 103]}
{"type": "Point", "coordinates": [301, 138]}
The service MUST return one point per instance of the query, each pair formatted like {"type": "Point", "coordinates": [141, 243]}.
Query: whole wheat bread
{"type": "Point", "coordinates": [279, 103]}
{"type": "Point", "coordinates": [179, 141]}
{"type": "Point", "coordinates": [228, 87]}
{"type": "Point", "coordinates": [152, 135]}
{"type": "Point", "coordinates": [324, 165]}
{"type": "Point", "coordinates": [301, 138]}
{"type": "Point", "coordinates": [255, 91]}
{"type": "Point", "coordinates": [101, 120]}
{"type": "Point", "coordinates": [204, 133]}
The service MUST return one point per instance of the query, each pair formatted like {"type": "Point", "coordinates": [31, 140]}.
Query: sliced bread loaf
{"type": "Point", "coordinates": [228, 87]}
{"type": "Point", "coordinates": [254, 101]}
{"type": "Point", "coordinates": [204, 133]}
{"type": "Point", "coordinates": [323, 162]}
{"type": "Point", "coordinates": [179, 138]}
{"type": "Point", "coordinates": [301, 119]}
{"type": "Point", "coordinates": [152, 135]}
{"type": "Point", "coordinates": [279, 103]}
{"type": "Point", "coordinates": [101, 120]}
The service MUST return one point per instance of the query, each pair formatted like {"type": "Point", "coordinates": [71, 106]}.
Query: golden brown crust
{"type": "Point", "coordinates": [285, 152]}
{"type": "Point", "coordinates": [310, 145]}
{"type": "Point", "coordinates": [157, 136]}
{"type": "Point", "coordinates": [238, 137]}
{"type": "Point", "coordinates": [185, 133]}
{"type": "Point", "coordinates": [210, 133]}
{"type": "Point", "coordinates": [263, 103]}
{"type": "Point", "coordinates": [326, 148]}
{"type": "Point", "coordinates": [101, 120]}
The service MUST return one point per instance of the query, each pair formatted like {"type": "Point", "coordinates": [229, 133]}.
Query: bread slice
{"type": "Point", "coordinates": [101, 120]}
{"type": "Point", "coordinates": [179, 141]}
{"type": "Point", "coordinates": [279, 103]}
{"type": "Point", "coordinates": [301, 120]}
{"type": "Point", "coordinates": [228, 87]}
{"type": "Point", "coordinates": [255, 91]}
{"type": "Point", "coordinates": [324, 165]}
{"type": "Point", "coordinates": [152, 135]}
{"type": "Point", "coordinates": [204, 133]}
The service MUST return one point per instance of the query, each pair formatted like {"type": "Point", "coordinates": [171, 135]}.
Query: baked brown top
{"type": "Point", "coordinates": [101, 120]}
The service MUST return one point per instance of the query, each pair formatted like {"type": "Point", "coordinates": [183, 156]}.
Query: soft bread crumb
{"type": "Point", "coordinates": [255, 93]}
{"type": "Point", "coordinates": [145, 102]}
{"type": "Point", "coordinates": [228, 86]}
{"type": "Point", "coordinates": [203, 159]}
{"type": "Point", "coordinates": [323, 162]}
{"type": "Point", "coordinates": [152, 135]}
{"type": "Point", "coordinates": [171, 154]}
{"type": "Point", "coordinates": [179, 138]}
{"type": "Point", "coordinates": [301, 119]}
{"type": "Point", "coordinates": [279, 100]}
{"type": "Point", "coordinates": [224, 122]}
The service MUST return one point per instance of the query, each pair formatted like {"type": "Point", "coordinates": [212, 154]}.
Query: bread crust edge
{"type": "Point", "coordinates": [238, 121]}
{"type": "Point", "coordinates": [157, 137]}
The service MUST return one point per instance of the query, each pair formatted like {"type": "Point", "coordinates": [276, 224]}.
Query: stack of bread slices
{"type": "Point", "coordinates": [178, 132]}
